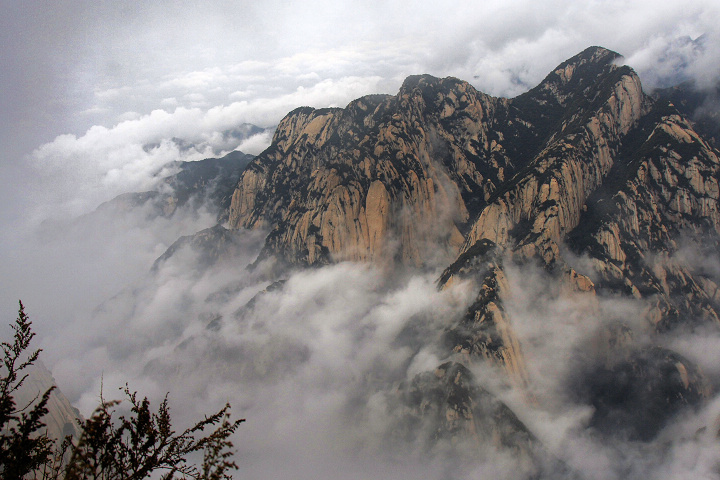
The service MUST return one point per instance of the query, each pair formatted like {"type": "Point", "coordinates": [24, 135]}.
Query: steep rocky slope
{"type": "Point", "coordinates": [386, 177]}
{"type": "Point", "coordinates": [584, 178]}
{"type": "Point", "coordinates": [436, 160]}
{"type": "Point", "coordinates": [659, 210]}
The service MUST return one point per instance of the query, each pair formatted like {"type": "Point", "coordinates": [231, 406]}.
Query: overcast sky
{"type": "Point", "coordinates": [88, 83]}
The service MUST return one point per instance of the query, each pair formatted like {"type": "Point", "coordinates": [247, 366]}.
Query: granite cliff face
{"type": "Point", "coordinates": [605, 190]}
{"type": "Point", "coordinates": [363, 183]}
{"type": "Point", "coordinates": [383, 176]}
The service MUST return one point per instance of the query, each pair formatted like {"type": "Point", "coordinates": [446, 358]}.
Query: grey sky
{"type": "Point", "coordinates": [69, 65]}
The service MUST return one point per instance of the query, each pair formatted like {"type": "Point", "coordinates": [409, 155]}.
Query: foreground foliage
{"type": "Point", "coordinates": [110, 447]}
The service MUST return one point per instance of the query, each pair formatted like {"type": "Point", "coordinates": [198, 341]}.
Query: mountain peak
{"type": "Point", "coordinates": [587, 76]}
{"type": "Point", "coordinates": [415, 80]}
{"type": "Point", "coordinates": [589, 64]}
{"type": "Point", "coordinates": [595, 54]}
{"type": "Point", "coordinates": [344, 174]}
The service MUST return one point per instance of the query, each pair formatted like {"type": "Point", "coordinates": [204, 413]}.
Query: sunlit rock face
{"type": "Point", "coordinates": [440, 166]}
{"type": "Point", "coordinates": [373, 181]}
{"type": "Point", "coordinates": [585, 178]}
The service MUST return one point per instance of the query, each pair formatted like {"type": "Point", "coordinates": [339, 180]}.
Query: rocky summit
{"type": "Point", "coordinates": [607, 193]}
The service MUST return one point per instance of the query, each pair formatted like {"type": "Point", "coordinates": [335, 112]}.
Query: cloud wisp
{"type": "Point", "coordinates": [315, 364]}
{"type": "Point", "coordinates": [198, 97]}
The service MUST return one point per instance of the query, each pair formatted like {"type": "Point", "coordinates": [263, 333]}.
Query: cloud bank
{"type": "Point", "coordinates": [316, 363]}
{"type": "Point", "coordinates": [119, 78]}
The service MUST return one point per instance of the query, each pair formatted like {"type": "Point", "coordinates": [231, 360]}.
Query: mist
{"type": "Point", "coordinates": [316, 359]}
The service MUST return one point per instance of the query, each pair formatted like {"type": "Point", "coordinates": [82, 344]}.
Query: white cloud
{"type": "Point", "coordinates": [314, 365]}
{"type": "Point", "coordinates": [80, 172]}
{"type": "Point", "coordinates": [257, 143]}
{"type": "Point", "coordinates": [169, 102]}
{"type": "Point", "coordinates": [300, 364]}
{"type": "Point", "coordinates": [502, 49]}
{"type": "Point", "coordinates": [196, 79]}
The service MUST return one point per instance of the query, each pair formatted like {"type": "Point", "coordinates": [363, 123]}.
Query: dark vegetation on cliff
{"type": "Point", "coordinates": [109, 446]}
